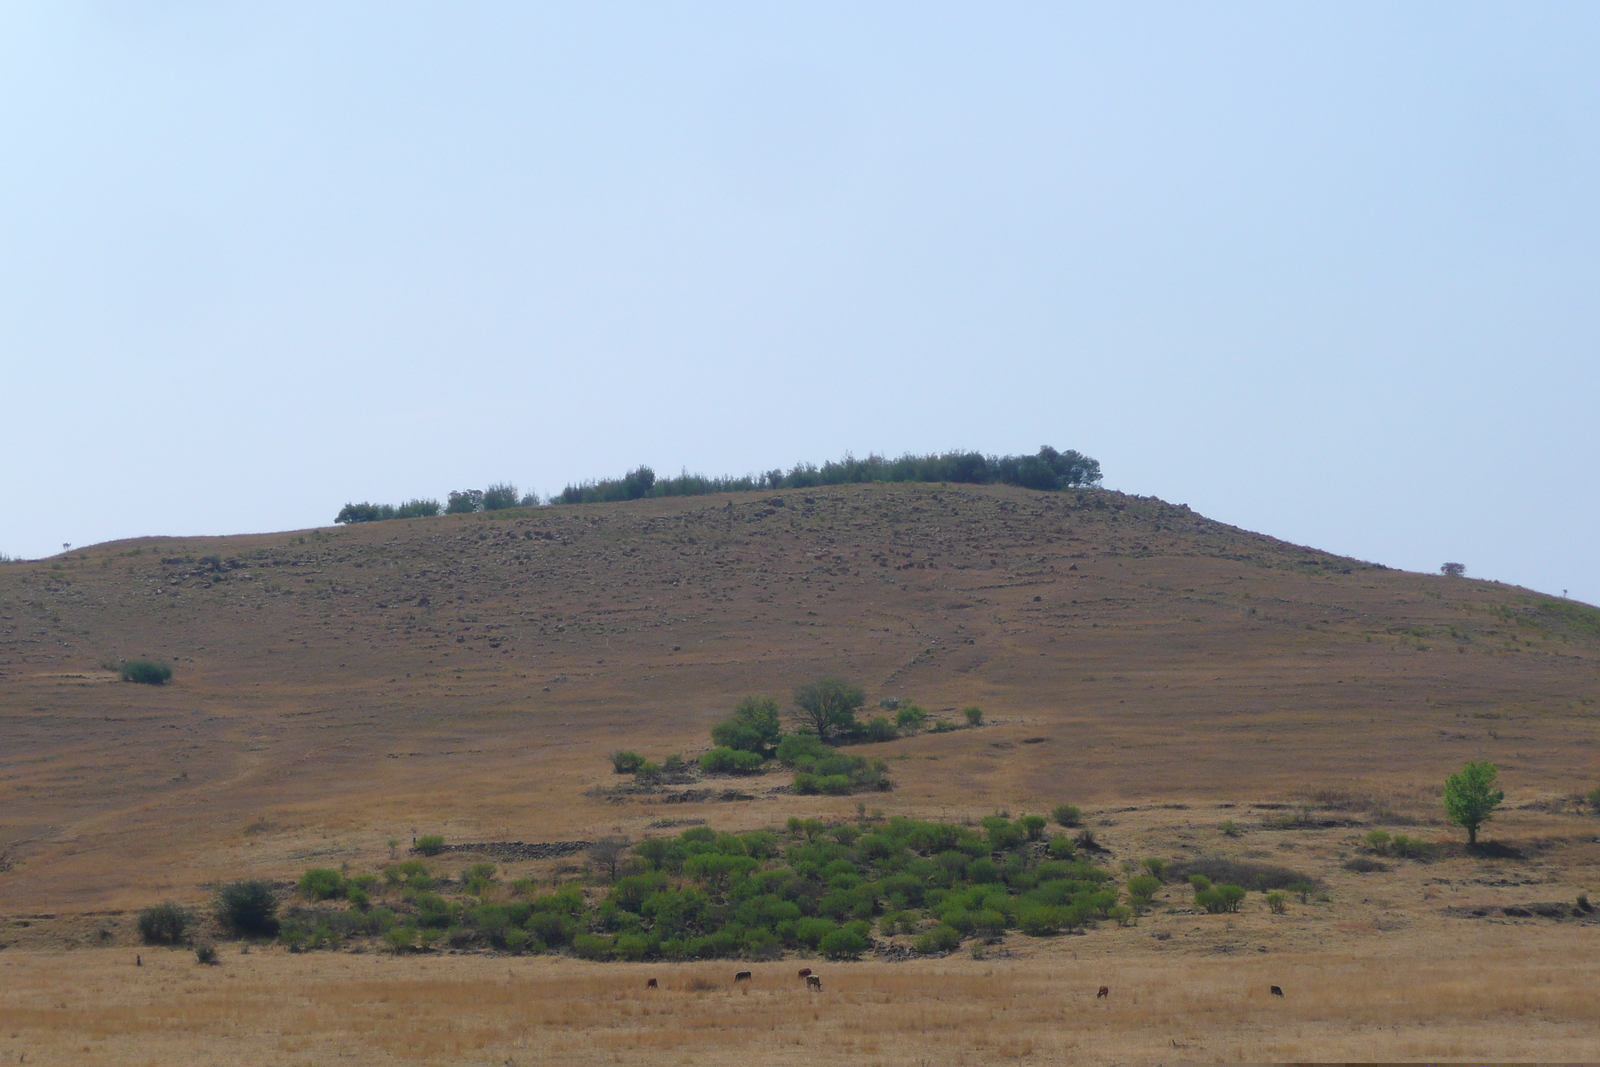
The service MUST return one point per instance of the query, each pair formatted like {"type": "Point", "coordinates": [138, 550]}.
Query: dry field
{"type": "Point", "coordinates": [1410, 999]}
{"type": "Point", "coordinates": [336, 689]}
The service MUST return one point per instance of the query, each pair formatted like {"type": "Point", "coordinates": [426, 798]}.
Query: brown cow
{"type": "Point", "coordinates": [1105, 991]}
{"type": "Point", "coordinates": [805, 972]}
{"type": "Point", "coordinates": [742, 976]}
{"type": "Point", "coordinates": [814, 982]}
{"type": "Point", "coordinates": [652, 984]}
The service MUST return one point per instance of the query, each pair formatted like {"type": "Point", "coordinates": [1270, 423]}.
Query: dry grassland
{"type": "Point", "coordinates": [335, 689]}
{"type": "Point", "coordinates": [1408, 1001]}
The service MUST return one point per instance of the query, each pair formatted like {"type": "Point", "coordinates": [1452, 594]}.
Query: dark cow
{"type": "Point", "coordinates": [1105, 991]}
{"type": "Point", "coordinates": [805, 972]}
{"type": "Point", "coordinates": [652, 984]}
{"type": "Point", "coordinates": [742, 976]}
{"type": "Point", "coordinates": [814, 982]}
{"type": "Point", "coordinates": [1277, 992]}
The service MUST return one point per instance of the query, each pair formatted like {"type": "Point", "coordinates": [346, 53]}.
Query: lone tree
{"type": "Point", "coordinates": [606, 853]}
{"type": "Point", "coordinates": [827, 708]}
{"type": "Point", "coordinates": [1453, 570]}
{"type": "Point", "coordinates": [754, 727]}
{"type": "Point", "coordinates": [1470, 797]}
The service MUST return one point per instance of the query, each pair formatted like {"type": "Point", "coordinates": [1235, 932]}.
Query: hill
{"type": "Point", "coordinates": [468, 674]}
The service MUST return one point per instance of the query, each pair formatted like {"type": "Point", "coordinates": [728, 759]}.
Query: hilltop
{"type": "Point", "coordinates": [468, 674]}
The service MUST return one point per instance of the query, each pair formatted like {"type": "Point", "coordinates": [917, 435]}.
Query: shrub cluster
{"type": "Point", "coordinates": [814, 886]}
{"type": "Point", "coordinates": [1047, 470]}
{"type": "Point", "coordinates": [411, 509]}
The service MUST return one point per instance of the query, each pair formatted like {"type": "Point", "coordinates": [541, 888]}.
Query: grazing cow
{"type": "Point", "coordinates": [1105, 991]}
{"type": "Point", "coordinates": [652, 984]}
{"type": "Point", "coordinates": [814, 981]}
{"type": "Point", "coordinates": [1277, 992]}
{"type": "Point", "coordinates": [742, 976]}
{"type": "Point", "coordinates": [805, 972]}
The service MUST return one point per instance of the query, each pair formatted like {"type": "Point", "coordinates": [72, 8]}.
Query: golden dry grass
{"type": "Point", "coordinates": [1399, 1001]}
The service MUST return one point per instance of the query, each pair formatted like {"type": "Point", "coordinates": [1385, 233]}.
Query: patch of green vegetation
{"type": "Point", "coordinates": [145, 672]}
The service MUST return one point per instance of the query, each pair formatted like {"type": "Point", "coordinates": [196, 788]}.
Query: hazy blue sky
{"type": "Point", "coordinates": [1326, 271]}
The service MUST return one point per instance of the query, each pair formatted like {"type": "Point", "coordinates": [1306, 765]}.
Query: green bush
{"type": "Point", "coordinates": [942, 938]}
{"type": "Point", "coordinates": [248, 908]}
{"type": "Point", "coordinates": [974, 715]}
{"type": "Point", "coordinates": [1062, 848]}
{"type": "Point", "coordinates": [594, 947]}
{"type": "Point", "coordinates": [625, 762]}
{"type": "Point", "coordinates": [1277, 902]}
{"type": "Point", "coordinates": [724, 760]}
{"type": "Point", "coordinates": [792, 748]}
{"type": "Point", "coordinates": [205, 952]}
{"type": "Point", "coordinates": [409, 874]}
{"type": "Point", "coordinates": [1471, 796]}
{"type": "Point", "coordinates": [846, 943]}
{"type": "Point", "coordinates": [1068, 816]}
{"type": "Point", "coordinates": [910, 717]}
{"type": "Point", "coordinates": [164, 924]}
{"type": "Point", "coordinates": [322, 883]}
{"type": "Point", "coordinates": [879, 729]}
{"type": "Point", "coordinates": [1593, 797]}
{"type": "Point", "coordinates": [1033, 826]}
{"type": "Point", "coordinates": [756, 726]}
{"type": "Point", "coordinates": [430, 844]}
{"type": "Point", "coordinates": [401, 938]}
{"type": "Point", "coordinates": [146, 672]}
{"type": "Point", "coordinates": [1229, 828]}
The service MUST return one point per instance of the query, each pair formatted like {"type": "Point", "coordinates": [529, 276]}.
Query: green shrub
{"type": "Point", "coordinates": [625, 762]}
{"type": "Point", "coordinates": [1593, 797]}
{"type": "Point", "coordinates": [879, 729]}
{"type": "Point", "coordinates": [205, 952]}
{"type": "Point", "coordinates": [756, 726]}
{"type": "Point", "coordinates": [1377, 841]}
{"type": "Point", "coordinates": [910, 717]}
{"type": "Point", "coordinates": [795, 747]}
{"type": "Point", "coordinates": [164, 924]}
{"type": "Point", "coordinates": [1033, 826]}
{"type": "Point", "coordinates": [942, 726]}
{"type": "Point", "coordinates": [724, 760]}
{"type": "Point", "coordinates": [322, 883]}
{"type": "Point", "coordinates": [845, 943]}
{"type": "Point", "coordinates": [1142, 889]}
{"type": "Point", "coordinates": [1229, 828]}
{"type": "Point", "coordinates": [1067, 816]}
{"type": "Point", "coordinates": [1123, 915]}
{"type": "Point", "coordinates": [1277, 902]}
{"type": "Point", "coordinates": [409, 874]}
{"type": "Point", "coordinates": [1156, 866]}
{"type": "Point", "coordinates": [146, 672]}
{"type": "Point", "coordinates": [974, 715]}
{"type": "Point", "coordinates": [401, 938]}
{"type": "Point", "coordinates": [1062, 848]}
{"type": "Point", "coordinates": [942, 938]}
{"type": "Point", "coordinates": [248, 908]}
{"type": "Point", "coordinates": [430, 844]}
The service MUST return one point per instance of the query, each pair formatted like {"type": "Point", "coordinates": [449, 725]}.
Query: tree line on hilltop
{"type": "Point", "coordinates": [1048, 470]}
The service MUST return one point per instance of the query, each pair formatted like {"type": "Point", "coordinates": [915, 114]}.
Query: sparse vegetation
{"type": "Point", "coordinates": [430, 844]}
{"type": "Point", "coordinates": [145, 672]}
{"type": "Point", "coordinates": [974, 715]}
{"type": "Point", "coordinates": [205, 952]}
{"type": "Point", "coordinates": [1067, 815]}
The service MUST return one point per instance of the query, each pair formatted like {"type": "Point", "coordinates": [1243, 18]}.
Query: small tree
{"type": "Point", "coordinates": [249, 907]}
{"type": "Point", "coordinates": [754, 727]}
{"type": "Point", "coordinates": [974, 715]}
{"type": "Point", "coordinates": [1470, 797]}
{"type": "Point", "coordinates": [500, 496]}
{"type": "Point", "coordinates": [1593, 797]}
{"type": "Point", "coordinates": [1453, 570]}
{"type": "Point", "coordinates": [625, 762]}
{"type": "Point", "coordinates": [1277, 902]}
{"type": "Point", "coordinates": [1067, 815]}
{"type": "Point", "coordinates": [430, 844]}
{"type": "Point", "coordinates": [827, 708]}
{"type": "Point", "coordinates": [606, 853]}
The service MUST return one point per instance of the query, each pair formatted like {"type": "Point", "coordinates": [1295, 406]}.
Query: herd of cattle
{"type": "Point", "coordinates": [814, 982]}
